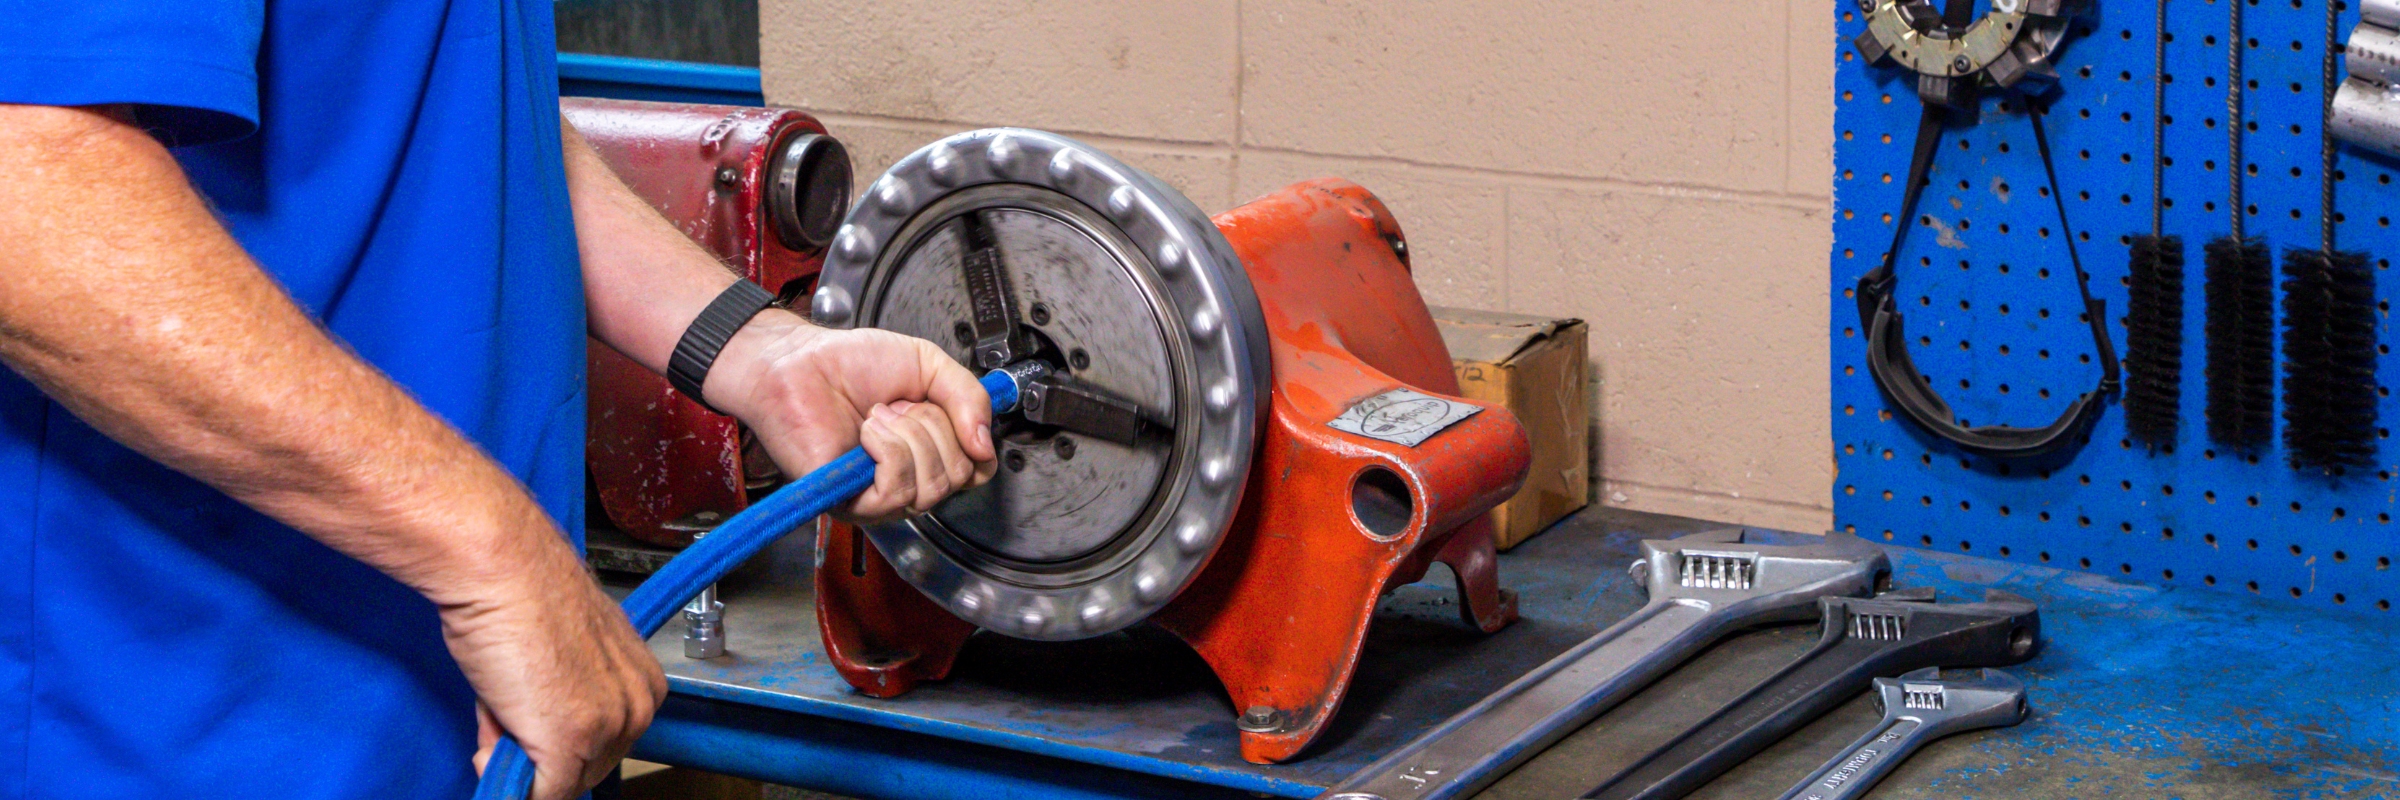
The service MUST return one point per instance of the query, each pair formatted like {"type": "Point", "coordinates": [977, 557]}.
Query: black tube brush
{"type": "Point", "coordinates": [2330, 349]}
{"type": "Point", "coordinates": [2330, 346]}
{"type": "Point", "coordinates": [2241, 344]}
{"type": "Point", "coordinates": [2154, 341]}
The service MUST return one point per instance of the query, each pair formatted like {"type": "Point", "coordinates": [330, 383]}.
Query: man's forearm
{"type": "Point", "coordinates": [213, 371]}
{"type": "Point", "coordinates": [643, 280]}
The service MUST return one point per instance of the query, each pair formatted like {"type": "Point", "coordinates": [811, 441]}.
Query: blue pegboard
{"type": "Point", "coordinates": [1993, 313]}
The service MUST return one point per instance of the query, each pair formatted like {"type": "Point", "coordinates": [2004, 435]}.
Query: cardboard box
{"type": "Point", "coordinates": [1534, 367]}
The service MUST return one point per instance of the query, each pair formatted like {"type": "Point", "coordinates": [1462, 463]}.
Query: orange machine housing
{"type": "Point", "coordinates": [661, 464]}
{"type": "Point", "coordinates": [1281, 611]}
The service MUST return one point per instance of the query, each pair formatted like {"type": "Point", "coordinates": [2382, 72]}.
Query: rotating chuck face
{"type": "Point", "coordinates": [1129, 461]}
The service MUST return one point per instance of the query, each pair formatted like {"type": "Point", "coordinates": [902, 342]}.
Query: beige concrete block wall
{"type": "Point", "coordinates": [1557, 157]}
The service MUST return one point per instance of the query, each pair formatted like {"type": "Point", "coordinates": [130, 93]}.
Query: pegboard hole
{"type": "Point", "coordinates": [1964, 545]}
{"type": "Point", "coordinates": [2338, 599]}
{"type": "Point", "coordinates": [2295, 549]}
{"type": "Point", "coordinates": [2125, 568]}
{"type": "Point", "coordinates": [2383, 605]}
{"type": "Point", "coordinates": [2210, 538]}
{"type": "Point", "coordinates": [2210, 580]}
{"type": "Point", "coordinates": [2167, 573]}
{"type": "Point", "coordinates": [2045, 558]}
{"type": "Point", "coordinates": [2295, 591]}
{"type": "Point", "coordinates": [2209, 496]}
{"type": "Point", "coordinates": [2004, 551]}
{"type": "Point", "coordinates": [1926, 540]}
{"type": "Point", "coordinates": [2340, 557]}
{"type": "Point", "coordinates": [2166, 534]}
{"type": "Point", "coordinates": [2253, 586]}
{"type": "Point", "coordinates": [2085, 562]}
{"type": "Point", "coordinates": [2125, 527]}
{"type": "Point", "coordinates": [2253, 544]}
{"type": "Point", "coordinates": [2044, 516]}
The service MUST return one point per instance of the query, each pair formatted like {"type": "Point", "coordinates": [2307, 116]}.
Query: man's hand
{"type": "Point", "coordinates": [555, 664]}
{"type": "Point", "coordinates": [811, 393]}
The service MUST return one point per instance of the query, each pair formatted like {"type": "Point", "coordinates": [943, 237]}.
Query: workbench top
{"type": "Point", "coordinates": [2140, 691]}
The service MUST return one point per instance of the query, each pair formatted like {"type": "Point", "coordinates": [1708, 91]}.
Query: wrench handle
{"type": "Point", "coordinates": [1476, 746]}
{"type": "Point", "coordinates": [1865, 762]}
{"type": "Point", "coordinates": [1830, 673]}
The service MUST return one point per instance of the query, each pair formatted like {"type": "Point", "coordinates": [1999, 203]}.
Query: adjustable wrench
{"type": "Point", "coordinates": [1918, 707]}
{"type": "Point", "coordinates": [1889, 635]}
{"type": "Point", "coordinates": [1702, 587]}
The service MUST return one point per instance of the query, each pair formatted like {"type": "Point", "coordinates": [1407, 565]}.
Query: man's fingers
{"type": "Point", "coordinates": [933, 480]}
{"type": "Point", "coordinates": [554, 783]}
{"type": "Point", "coordinates": [895, 470]}
{"type": "Point", "coordinates": [957, 469]}
{"type": "Point", "coordinates": [956, 391]}
{"type": "Point", "coordinates": [487, 735]}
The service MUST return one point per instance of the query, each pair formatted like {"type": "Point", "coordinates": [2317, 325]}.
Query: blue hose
{"type": "Point", "coordinates": [508, 775]}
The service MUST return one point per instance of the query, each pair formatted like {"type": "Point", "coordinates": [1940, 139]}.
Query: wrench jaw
{"type": "Point", "coordinates": [1991, 699]}
{"type": "Point", "coordinates": [1720, 570]}
{"type": "Point", "coordinates": [2001, 630]}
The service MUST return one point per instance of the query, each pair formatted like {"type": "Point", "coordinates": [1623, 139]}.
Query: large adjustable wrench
{"type": "Point", "coordinates": [1918, 707]}
{"type": "Point", "coordinates": [1863, 639]}
{"type": "Point", "coordinates": [1702, 586]}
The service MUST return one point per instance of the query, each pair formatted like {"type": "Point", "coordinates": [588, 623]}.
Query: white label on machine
{"type": "Point", "coordinates": [1401, 416]}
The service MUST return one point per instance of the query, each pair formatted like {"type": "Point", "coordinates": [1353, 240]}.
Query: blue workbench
{"type": "Point", "coordinates": [2142, 691]}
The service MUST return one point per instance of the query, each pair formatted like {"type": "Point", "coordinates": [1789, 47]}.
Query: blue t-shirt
{"type": "Point", "coordinates": [397, 167]}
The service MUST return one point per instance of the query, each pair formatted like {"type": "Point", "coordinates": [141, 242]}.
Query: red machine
{"type": "Point", "coordinates": [762, 188]}
{"type": "Point", "coordinates": [1248, 433]}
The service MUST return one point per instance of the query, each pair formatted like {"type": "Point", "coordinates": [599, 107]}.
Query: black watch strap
{"type": "Point", "coordinates": [687, 369]}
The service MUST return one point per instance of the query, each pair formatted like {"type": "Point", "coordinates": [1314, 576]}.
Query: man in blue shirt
{"type": "Point", "coordinates": [293, 296]}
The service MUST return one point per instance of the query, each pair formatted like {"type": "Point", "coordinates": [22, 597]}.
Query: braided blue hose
{"type": "Point", "coordinates": [508, 775]}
